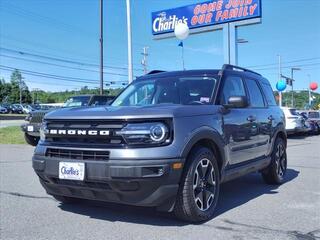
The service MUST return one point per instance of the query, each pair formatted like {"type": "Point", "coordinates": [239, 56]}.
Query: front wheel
{"type": "Point", "coordinates": [274, 174]}
{"type": "Point", "coordinates": [199, 188]}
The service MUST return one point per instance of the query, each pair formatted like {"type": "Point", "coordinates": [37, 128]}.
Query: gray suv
{"type": "Point", "coordinates": [167, 141]}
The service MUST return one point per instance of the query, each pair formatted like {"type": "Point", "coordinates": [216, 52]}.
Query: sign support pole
{"type": "Point", "coordinates": [130, 71]}
{"type": "Point", "coordinates": [226, 43]}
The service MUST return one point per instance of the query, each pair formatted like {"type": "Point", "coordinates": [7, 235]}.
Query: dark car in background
{"type": "Point", "coordinates": [3, 109]}
{"type": "Point", "coordinates": [12, 108]}
{"type": "Point", "coordinates": [34, 119]}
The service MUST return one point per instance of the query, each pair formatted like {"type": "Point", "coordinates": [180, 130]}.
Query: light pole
{"type": "Point", "coordinates": [292, 80]}
{"type": "Point", "coordinates": [101, 47]}
{"type": "Point", "coordinates": [130, 71]}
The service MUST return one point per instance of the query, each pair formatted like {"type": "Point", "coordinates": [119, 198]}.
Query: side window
{"type": "Point", "coordinates": [233, 86]}
{"type": "Point", "coordinates": [99, 101]}
{"type": "Point", "coordinates": [269, 94]}
{"type": "Point", "coordinates": [255, 96]}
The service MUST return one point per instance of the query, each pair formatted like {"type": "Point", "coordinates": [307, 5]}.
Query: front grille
{"type": "Point", "coordinates": [77, 154]}
{"type": "Point", "coordinates": [37, 116]}
{"type": "Point", "coordinates": [110, 140]}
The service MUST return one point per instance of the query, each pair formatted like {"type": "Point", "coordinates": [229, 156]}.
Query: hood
{"type": "Point", "coordinates": [132, 112]}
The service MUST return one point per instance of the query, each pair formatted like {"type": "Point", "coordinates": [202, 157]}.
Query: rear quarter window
{"type": "Point", "coordinates": [267, 90]}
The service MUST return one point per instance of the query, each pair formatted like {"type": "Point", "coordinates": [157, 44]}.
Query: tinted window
{"type": "Point", "coordinates": [255, 96]}
{"type": "Point", "coordinates": [233, 86]}
{"type": "Point", "coordinates": [269, 94]}
{"type": "Point", "coordinates": [100, 100]}
{"type": "Point", "coordinates": [77, 101]}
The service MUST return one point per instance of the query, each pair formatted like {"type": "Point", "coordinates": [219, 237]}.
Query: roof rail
{"type": "Point", "coordinates": [155, 71]}
{"type": "Point", "coordinates": [232, 67]}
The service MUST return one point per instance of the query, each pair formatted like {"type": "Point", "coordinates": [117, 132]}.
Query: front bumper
{"type": "Point", "coordinates": [31, 129]}
{"type": "Point", "coordinates": [152, 183]}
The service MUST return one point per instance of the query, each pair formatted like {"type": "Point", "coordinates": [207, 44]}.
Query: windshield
{"type": "Point", "coordinates": [175, 90]}
{"type": "Point", "coordinates": [78, 101]}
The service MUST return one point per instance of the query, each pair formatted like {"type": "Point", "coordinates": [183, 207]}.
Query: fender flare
{"type": "Point", "coordinates": [202, 133]}
{"type": "Point", "coordinates": [279, 129]}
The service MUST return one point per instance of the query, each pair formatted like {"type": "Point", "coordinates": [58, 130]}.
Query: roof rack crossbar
{"type": "Point", "coordinates": [155, 71]}
{"type": "Point", "coordinates": [231, 67]}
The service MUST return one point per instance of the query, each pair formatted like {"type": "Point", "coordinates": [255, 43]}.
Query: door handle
{"type": "Point", "coordinates": [251, 118]}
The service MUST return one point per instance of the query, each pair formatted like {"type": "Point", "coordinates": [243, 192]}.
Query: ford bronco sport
{"type": "Point", "coordinates": [167, 141]}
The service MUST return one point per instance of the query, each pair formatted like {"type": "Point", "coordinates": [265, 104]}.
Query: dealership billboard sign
{"type": "Point", "coordinates": [200, 16]}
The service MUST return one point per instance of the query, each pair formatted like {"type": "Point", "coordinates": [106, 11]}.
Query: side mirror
{"type": "Point", "coordinates": [237, 102]}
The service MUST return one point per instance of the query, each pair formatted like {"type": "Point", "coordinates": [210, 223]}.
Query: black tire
{"type": "Point", "coordinates": [33, 141]}
{"type": "Point", "coordinates": [65, 199]}
{"type": "Point", "coordinates": [189, 206]}
{"type": "Point", "coordinates": [274, 174]}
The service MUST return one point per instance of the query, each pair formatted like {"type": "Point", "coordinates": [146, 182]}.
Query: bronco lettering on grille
{"type": "Point", "coordinates": [79, 132]}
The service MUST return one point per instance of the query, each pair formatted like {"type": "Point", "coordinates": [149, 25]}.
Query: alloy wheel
{"type": "Point", "coordinates": [204, 184]}
{"type": "Point", "coordinates": [281, 160]}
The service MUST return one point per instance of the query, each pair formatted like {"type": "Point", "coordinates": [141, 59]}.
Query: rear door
{"type": "Point", "coordinates": [259, 109]}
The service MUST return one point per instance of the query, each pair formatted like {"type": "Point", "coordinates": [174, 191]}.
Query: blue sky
{"type": "Point", "coordinates": [69, 30]}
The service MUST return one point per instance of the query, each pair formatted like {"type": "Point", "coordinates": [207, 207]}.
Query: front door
{"type": "Point", "coordinates": [241, 130]}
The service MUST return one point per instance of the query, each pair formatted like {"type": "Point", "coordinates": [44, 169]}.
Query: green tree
{"type": "Point", "coordinates": [16, 84]}
{"type": "Point", "coordinates": [5, 90]}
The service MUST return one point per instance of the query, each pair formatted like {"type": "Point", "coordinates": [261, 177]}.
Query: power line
{"type": "Point", "coordinates": [299, 65]}
{"type": "Point", "coordinates": [14, 9]}
{"type": "Point", "coordinates": [275, 64]}
{"type": "Point", "coordinates": [63, 66]}
{"type": "Point", "coordinates": [60, 59]}
{"type": "Point", "coordinates": [53, 76]}
{"type": "Point", "coordinates": [47, 47]}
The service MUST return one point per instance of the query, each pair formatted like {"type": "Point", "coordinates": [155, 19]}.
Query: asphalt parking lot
{"type": "Point", "coordinates": [248, 209]}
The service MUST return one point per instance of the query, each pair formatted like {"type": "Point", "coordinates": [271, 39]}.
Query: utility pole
{"type": "Point", "coordinates": [144, 59]}
{"type": "Point", "coordinates": [101, 47]}
{"type": "Point", "coordinates": [309, 77]}
{"type": "Point", "coordinates": [292, 80]}
{"type": "Point", "coordinates": [280, 94]}
{"type": "Point", "coordinates": [130, 71]}
{"type": "Point", "coordinates": [20, 89]}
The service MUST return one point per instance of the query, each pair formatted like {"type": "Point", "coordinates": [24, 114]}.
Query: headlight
{"type": "Point", "coordinates": [145, 133]}
{"type": "Point", "coordinates": [43, 130]}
